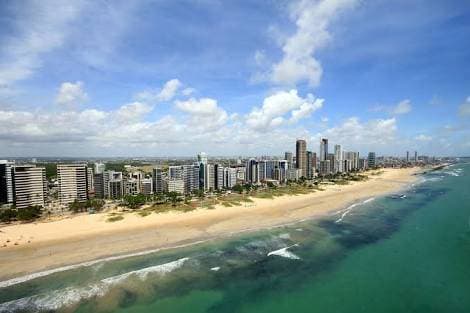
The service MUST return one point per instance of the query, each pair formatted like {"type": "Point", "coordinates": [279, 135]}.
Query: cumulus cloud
{"type": "Point", "coordinates": [166, 93]}
{"type": "Point", "coordinates": [312, 19]}
{"type": "Point", "coordinates": [276, 108]}
{"type": "Point", "coordinates": [71, 95]}
{"type": "Point", "coordinates": [352, 131]}
{"type": "Point", "coordinates": [204, 113]}
{"type": "Point", "coordinates": [188, 91]}
{"type": "Point", "coordinates": [464, 108]}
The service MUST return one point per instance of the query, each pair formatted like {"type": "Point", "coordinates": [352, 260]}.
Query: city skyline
{"type": "Point", "coordinates": [263, 76]}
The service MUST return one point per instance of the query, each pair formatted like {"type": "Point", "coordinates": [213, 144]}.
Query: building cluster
{"type": "Point", "coordinates": [26, 185]}
{"type": "Point", "coordinates": [307, 164]}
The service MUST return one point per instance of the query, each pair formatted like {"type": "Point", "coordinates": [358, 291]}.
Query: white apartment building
{"type": "Point", "coordinates": [29, 186]}
{"type": "Point", "coordinates": [72, 180]}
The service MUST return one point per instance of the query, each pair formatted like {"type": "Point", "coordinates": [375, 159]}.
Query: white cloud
{"type": "Point", "coordinates": [402, 107]}
{"type": "Point", "coordinates": [40, 28]}
{"type": "Point", "coordinates": [312, 19]}
{"type": "Point", "coordinates": [71, 95]}
{"type": "Point", "coordinates": [353, 132]}
{"type": "Point", "coordinates": [204, 113]}
{"type": "Point", "coordinates": [464, 108]}
{"type": "Point", "coordinates": [133, 111]}
{"type": "Point", "coordinates": [423, 137]}
{"type": "Point", "coordinates": [166, 93]}
{"type": "Point", "coordinates": [275, 108]}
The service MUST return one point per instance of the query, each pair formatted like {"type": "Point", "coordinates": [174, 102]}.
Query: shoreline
{"type": "Point", "coordinates": [91, 240]}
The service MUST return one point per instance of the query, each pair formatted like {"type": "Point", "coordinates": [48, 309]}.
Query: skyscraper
{"type": "Point", "coordinates": [338, 159]}
{"type": "Point", "coordinates": [416, 157]}
{"type": "Point", "coordinates": [301, 156]}
{"type": "Point", "coordinates": [6, 182]}
{"type": "Point", "coordinates": [323, 149]}
{"type": "Point", "coordinates": [407, 156]}
{"type": "Point", "coordinates": [251, 168]}
{"type": "Point", "coordinates": [72, 182]}
{"type": "Point", "coordinates": [371, 162]}
{"type": "Point", "coordinates": [29, 186]}
{"type": "Point", "coordinates": [157, 179]}
{"type": "Point", "coordinates": [310, 167]}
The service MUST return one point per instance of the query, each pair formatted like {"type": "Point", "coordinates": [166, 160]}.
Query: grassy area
{"type": "Point", "coordinates": [114, 217]}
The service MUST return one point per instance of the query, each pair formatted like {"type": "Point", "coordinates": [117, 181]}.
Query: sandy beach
{"type": "Point", "coordinates": [46, 245]}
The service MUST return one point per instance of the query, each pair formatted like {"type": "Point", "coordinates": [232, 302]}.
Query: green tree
{"type": "Point", "coordinates": [29, 213]}
{"type": "Point", "coordinates": [134, 202]}
{"type": "Point", "coordinates": [174, 197]}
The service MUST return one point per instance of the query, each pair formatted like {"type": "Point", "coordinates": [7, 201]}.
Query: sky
{"type": "Point", "coordinates": [173, 78]}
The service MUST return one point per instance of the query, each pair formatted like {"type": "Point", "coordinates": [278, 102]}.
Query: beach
{"type": "Point", "coordinates": [47, 245]}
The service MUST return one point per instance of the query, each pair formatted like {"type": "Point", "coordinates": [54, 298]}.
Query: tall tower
{"type": "Point", "coordinates": [301, 156]}
{"type": "Point", "coordinates": [6, 182]}
{"type": "Point", "coordinates": [338, 158]}
{"type": "Point", "coordinates": [323, 149]}
{"type": "Point", "coordinates": [407, 156]}
{"type": "Point", "coordinates": [29, 186]}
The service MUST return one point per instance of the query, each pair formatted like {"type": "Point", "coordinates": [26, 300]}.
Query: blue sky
{"type": "Point", "coordinates": [171, 78]}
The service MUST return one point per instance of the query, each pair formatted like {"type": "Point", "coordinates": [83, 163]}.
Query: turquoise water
{"type": "Point", "coordinates": [408, 252]}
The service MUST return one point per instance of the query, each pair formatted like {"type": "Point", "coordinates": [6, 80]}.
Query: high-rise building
{"type": "Point", "coordinates": [416, 157]}
{"type": "Point", "coordinates": [73, 183]}
{"type": "Point", "coordinates": [251, 174]}
{"type": "Point", "coordinates": [190, 177]}
{"type": "Point", "coordinates": [310, 167]}
{"type": "Point", "coordinates": [132, 186]}
{"type": "Point", "coordinates": [29, 186]}
{"type": "Point", "coordinates": [262, 170]}
{"type": "Point", "coordinates": [323, 149]}
{"type": "Point", "coordinates": [230, 177]}
{"type": "Point", "coordinates": [371, 162]}
{"type": "Point", "coordinates": [289, 158]}
{"type": "Point", "coordinates": [338, 159]}
{"type": "Point", "coordinates": [218, 177]}
{"type": "Point", "coordinates": [301, 156]}
{"type": "Point", "coordinates": [98, 182]}
{"type": "Point", "coordinates": [157, 179]}
{"type": "Point", "coordinates": [203, 171]}
{"type": "Point", "coordinates": [6, 182]}
{"type": "Point", "coordinates": [407, 156]}
{"type": "Point", "coordinates": [114, 185]}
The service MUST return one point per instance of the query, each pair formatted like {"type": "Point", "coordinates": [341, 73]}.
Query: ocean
{"type": "Point", "coordinates": [405, 252]}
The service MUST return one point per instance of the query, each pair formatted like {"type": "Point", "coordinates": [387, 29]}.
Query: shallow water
{"type": "Point", "coordinates": [408, 252]}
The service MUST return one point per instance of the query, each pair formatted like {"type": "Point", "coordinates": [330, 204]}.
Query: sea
{"type": "Point", "coordinates": [403, 252]}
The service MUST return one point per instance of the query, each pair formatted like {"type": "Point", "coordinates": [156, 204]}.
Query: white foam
{"type": "Point", "coordinates": [285, 253]}
{"type": "Point", "coordinates": [143, 273]}
{"type": "Point", "coordinates": [215, 269]}
{"type": "Point", "coordinates": [352, 206]}
{"type": "Point", "coordinates": [59, 298]}
{"type": "Point", "coordinates": [284, 236]}
{"type": "Point", "coordinates": [22, 279]}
